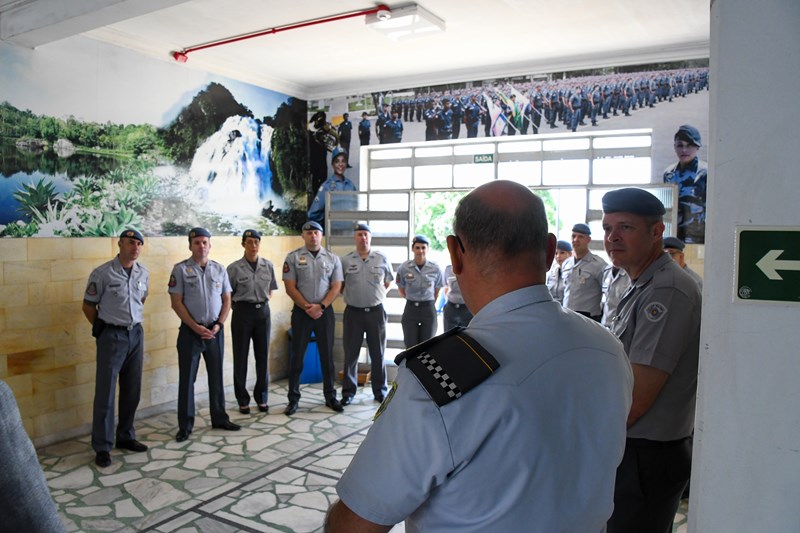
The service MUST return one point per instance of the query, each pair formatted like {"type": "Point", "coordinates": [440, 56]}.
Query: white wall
{"type": "Point", "coordinates": [747, 444]}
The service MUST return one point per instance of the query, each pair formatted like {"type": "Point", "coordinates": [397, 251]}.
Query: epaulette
{"type": "Point", "coordinates": [450, 365]}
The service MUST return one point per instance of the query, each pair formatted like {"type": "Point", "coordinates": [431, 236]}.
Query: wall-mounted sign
{"type": "Point", "coordinates": [768, 264]}
{"type": "Point", "coordinates": [483, 158]}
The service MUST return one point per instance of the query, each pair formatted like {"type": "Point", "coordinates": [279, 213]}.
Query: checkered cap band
{"type": "Point", "coordinates": [440, 375]}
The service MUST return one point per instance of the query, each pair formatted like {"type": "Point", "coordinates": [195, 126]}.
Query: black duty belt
{"type": "Point", "coordinates": [126, 328]}
{"type": "Point", "coordinates": [366, 309]}
{"type": "Point", "coordinates": [418, 304]}
{"type": "Point", "coordinates": [258, 305]}
{"type": "Point", "coordinates": [457, 306]}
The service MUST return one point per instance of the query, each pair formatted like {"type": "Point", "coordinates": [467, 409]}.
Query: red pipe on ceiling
{"type": "Point", "coordinates": [183, 55]}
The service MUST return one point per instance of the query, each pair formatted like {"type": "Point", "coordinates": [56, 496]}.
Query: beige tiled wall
{"type": "Point", "coordinates": [47, 353]}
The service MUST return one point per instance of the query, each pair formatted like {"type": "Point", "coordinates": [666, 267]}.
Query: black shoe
{"type": "Point", "coordinates": [227, 426]}
{"type": "Point", "coordinates": [102, 459]}
{"type": "Point", "coordinates": [132, 445]}
{"type": "Point", "coordinates": [335, 405]}
{"type": "Point", "coordinates": [244, 410]}
{"type": "Point", "coordinates": [379, 398]}
{"type": "Point", "coordinates": [346, 400]}
{"type": "Point", "coordinates": [182, 435]}
{"type": "Point", "coordinates": [263, 408]}
{"type": "Point", "coordinates": [291, 408]}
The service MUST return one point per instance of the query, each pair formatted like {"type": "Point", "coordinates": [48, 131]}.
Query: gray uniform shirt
{"type": "Point", "coordinates": [420, 284]}
{"type": "Point", "coordinates": [453, 290]}
{"type": "Point", "coordinates": [119, 297]}
{"type": "Point", "coordinates": [695, 276]}
{"type": "Point", "coordinates": [313, 275]}
{"type": "Point", "coordinates": [250, 285]}
{"type": "Point", "coordinates": [202, 289]}
{"type": "Point", "coordinates": [614, 286]}
{"type": "Point", "coordinates": [555, 282]}
{"type": "Point", "coordinates": [658, 322]}
{"type": "Point", "coordinates": [364, 280]}
{"type": "Point", "coordinates": [583, 283]}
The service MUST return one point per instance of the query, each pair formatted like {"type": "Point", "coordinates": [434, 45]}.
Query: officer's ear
{"type": "Point", "coordinates": [456, 258]}
{"type": "Point", "coordinates": [551, 248]}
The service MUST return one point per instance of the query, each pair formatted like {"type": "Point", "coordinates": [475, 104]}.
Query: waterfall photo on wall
{"type": "Point", "coordinates": [192, 150]}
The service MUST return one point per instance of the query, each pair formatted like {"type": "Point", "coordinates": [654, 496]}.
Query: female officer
{"type": "Point", "coordinates": [419, 282]}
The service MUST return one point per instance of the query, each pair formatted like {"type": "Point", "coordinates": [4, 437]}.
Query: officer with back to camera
{"type": "Point", "coordinates": [252, 281]}
{"type": "Point", "coordinates": [113, 303]}
{"type": "Point", "coordinates": [367, 275]}
{"type": "Point", "coordinates": [200, 292]}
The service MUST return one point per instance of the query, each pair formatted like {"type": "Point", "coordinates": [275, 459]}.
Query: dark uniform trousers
{"type": "Point", "coordinates": [358, 321]}
{"type": "Point", "coordinates": [456, 315]}
{"type": "Point", "coordinates": [190, 346]}
{"type": "Point", "coordinates": [419, 322]}
{"type": "Point", "coordinates": [302, 326]}
{"type": "Point", "coordinates": [650, 481]}
{"type": "Point", "coordinates": [250, 321]}
{"type": "Point", "coordinates": [119, 354]}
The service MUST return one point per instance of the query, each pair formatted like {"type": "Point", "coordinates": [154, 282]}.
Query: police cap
{"type": "Point", "coordinates": [251, 233]}
{"type": "Point", "coordinates": [361, 226]}
{"type": "Point", "coordinates": [311, 225]}
{"type": "Point", "coordinates": [689, 134]}
{"type": "Point", "coordinates": [632, 200]}
{"type": "Point", "coordinates": [564, 245]}
{"type": "Point", "coordinates": [420, 239]}
{"type": "Point", "coordinates": [581, 228]}
{"type": "Point", "coordinates": [132, 234]}
{"type": "Point", "coordinates": [674, 242]}
{"type": "Point", "coordinates": [198, 232]}
{"type": "Point", "coordinates": [337, 152]}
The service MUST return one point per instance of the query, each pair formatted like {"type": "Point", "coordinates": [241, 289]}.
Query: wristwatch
{"type": "Point", "coordinates": [322, 305]}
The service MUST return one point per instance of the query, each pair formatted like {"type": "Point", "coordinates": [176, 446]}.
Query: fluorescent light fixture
{"type": "Point", "coordinates": [405, 22]}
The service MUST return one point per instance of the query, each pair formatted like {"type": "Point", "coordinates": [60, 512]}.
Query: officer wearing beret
{"type": "Point", "coordinates": [345, 131]}
{"type": "Point", "coordinates": [337, 182]}
{"type": "Point", "coordinates": [555, 282]}
{"type": "Point", "coordinates": [583, 276]}
{"type": "Point", "coordinates": [367, 274]}
{"type": "Point", "coordinates": [252, 282]}
{"type": "Point", "coordinates": [690, 174]}
{"type": "Point", "coordinates": [419, 282]}
{"type": "Point", "coordinates": [113, 303]}
{"type": "Point", "coordinates": [658, 322]}
{"type": "Point", "coordinates": [515, 423]}
{"type": "Point", "coordinates": [313, 277]}
{"type": "Point", "coordinates": [364, 129]}
{"type": "Point", "coordinates": [200, 292]}
{"type": "Point", "coordinates": [674, 247]}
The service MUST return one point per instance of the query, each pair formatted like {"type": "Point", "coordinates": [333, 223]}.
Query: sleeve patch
{"type": "Point", "coordinates": [655, 311]}
{"type": "Point", "coordinates": [172, 281]}
{"type": "Point", "coordinates": [285, 267]}
{"type": "Point", "coordinates": [91, 289]}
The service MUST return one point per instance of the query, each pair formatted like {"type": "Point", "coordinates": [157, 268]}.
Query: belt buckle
{"type": "Point", "coordinates": [416, 304]}
{"type": "Point", "coordinates": [367, 309]}
{"type": "Point", "coordinates": [258, 306]}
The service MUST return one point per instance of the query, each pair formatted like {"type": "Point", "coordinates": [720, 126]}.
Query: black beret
{"type": "Point", "coordinates": [132, 234]}
{"type": "Point", "coordinates": [632, 200]}
{"type": "Point", "coordinates": [251, 233]}
{"type": "Point", "coordinates": [564, 245]}
{"type": "Point", "coordinates": [422, 239]}
{"type": "Point", "coordinates": [581, 228]}
{"type": "Point", "coordinates": [312, 225]}
{"type": "Point", "coordinates": [198, 232]}
{"type": "Point", "coordinates": [674, 242]}
{"type": "Point", "coordinates": [361, 226]}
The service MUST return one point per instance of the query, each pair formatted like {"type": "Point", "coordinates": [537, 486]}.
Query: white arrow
{"type": "Point", "coordinates": [770, 265]}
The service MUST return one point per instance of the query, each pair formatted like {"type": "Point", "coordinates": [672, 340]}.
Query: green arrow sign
{"type": "Point", "coordinates": [768, 264]}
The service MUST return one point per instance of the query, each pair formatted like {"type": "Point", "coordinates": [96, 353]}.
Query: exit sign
{"type": "Point", "coordinates": [483, 158]}
{"type": "Point", "coordinates": [768, 264]}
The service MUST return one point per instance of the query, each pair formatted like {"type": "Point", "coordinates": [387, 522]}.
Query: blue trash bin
{"type": "Point", "coordinates": [312, 370]}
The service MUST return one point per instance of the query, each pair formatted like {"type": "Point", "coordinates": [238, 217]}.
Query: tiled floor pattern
{"type": "Point", "coordinates": [278, 474]}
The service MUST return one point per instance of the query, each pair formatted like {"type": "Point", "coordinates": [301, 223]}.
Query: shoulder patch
{"type": "Point", "coordinates": [91, 290]}
{"type": "Point", "coordinates": [450, 365]}
{"type": "Point", "coordinates": [655, 311]}
{"type": "Point", "coordinates": [285, 267]}
{"type": "Point", "coordinates": [172, 281]}
{"type": "Point", "coordinates": [386, 401]}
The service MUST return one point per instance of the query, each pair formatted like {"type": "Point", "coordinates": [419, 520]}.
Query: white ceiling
{"type": "Point", "coordinates": [483, 38]}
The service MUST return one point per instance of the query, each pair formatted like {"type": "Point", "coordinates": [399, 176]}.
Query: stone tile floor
{"type": "Point", "coordinates": [278, 474]}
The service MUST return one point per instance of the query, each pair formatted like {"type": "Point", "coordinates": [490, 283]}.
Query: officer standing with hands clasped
{"type": "Point", "coordinates": [419, 282]}
{"type": "Point", "coordinates": [113, 303]}
{"type": "Point", "coordinates": [252, 282]}
{"type": "Point", "coordinates": [313, 277]}
{"type": "Point", "coordinates": [367, 275]}
{"type": "Point", "coordinates": [583, 276]}
{"type": "Point", "coordinates": [201, 297]}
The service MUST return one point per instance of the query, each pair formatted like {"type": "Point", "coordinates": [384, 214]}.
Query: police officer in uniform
{"type": "Point", "coordinates": [200, 292]}
{"type": "Point", "coordinates": [467, 437]}
{"type": "Point", "coordinates": [455, 312]}
{"type": "Point", "coordinates": [583, 276]}
{"type": "Point", "coordinates": [313, 277]}
{"type": "Point", "coordinates": [690, 174]}
{"type": "Point", "coordinates": [419, 282]}
{"type": "Point", "coordinates": [554, 281]}
{"type": "Point", "coordinates": [367, 275]}
{"type": "Point", "coordinates": [658, 322]}
{"type": "Point", "coordinates": [364, 129]}
{"type": "Point", "coordinates": [252, 282]}
{"type": "Point", "coordinates": [337, 182]}
{"type": "Point", "coordinates": [615, 283]}
{"type": "Point", "coordinates": [674, 247]}
{"type": "Point", "coordinates": [113, 303]}
{"type": "Point", "coordinates": [345, 132]}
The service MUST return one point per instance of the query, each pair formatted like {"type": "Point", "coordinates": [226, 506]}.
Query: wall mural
{"type": "Point", "coordinates": [152, 146]}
